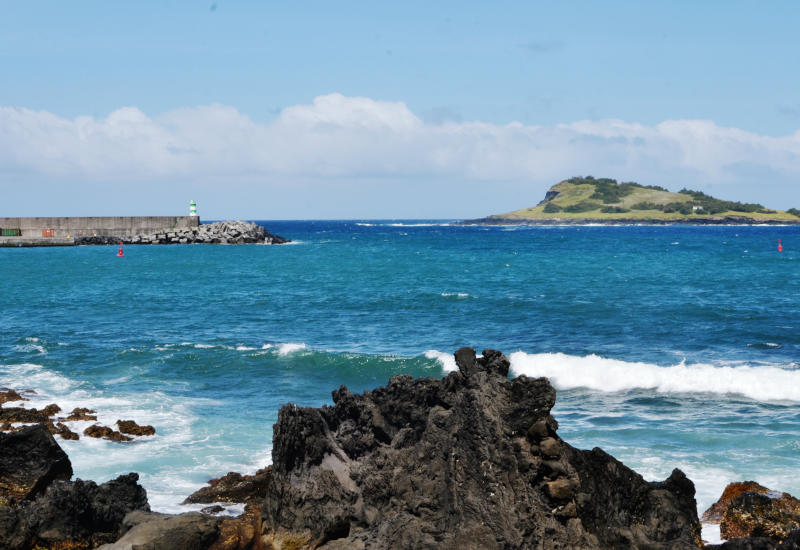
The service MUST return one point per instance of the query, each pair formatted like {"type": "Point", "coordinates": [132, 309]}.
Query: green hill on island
{"type": "Point", "coordinates": [603, 200]}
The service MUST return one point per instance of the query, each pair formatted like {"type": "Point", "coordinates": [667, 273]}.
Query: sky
{"type": "Point", "coordinates": [322, 110]}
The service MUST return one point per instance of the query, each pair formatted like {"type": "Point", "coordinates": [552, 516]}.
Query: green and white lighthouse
{"type": "Point", "coordinates": [192, 208]}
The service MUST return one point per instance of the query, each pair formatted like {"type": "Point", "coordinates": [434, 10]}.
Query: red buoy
{"type": "Point", "coordinates": [120, 254]}
{"type": "Point", "coordinates": [780, 246]}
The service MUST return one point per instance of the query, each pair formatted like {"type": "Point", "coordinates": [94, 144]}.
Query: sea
{"type": "Point", "coordinates": [670, 346]}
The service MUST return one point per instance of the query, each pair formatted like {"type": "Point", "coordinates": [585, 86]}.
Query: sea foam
{"type": "Point", "coordinates": [761, 383]}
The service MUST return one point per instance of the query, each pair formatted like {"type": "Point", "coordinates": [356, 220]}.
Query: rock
{"type": "Point", "coordinates": [733, 490]}
{"type": "Point", "coordinates": [153, 531]}
{"type": "Point", "coordinates": [772, 515]}
{"type": "Point", "coordinates": [30, 460]}
{"type": "Point", "coordinates": [132, 428]}
{"type": "Point", "coordinates": [10, 395]}
{"type": "Point", "coordinates": [212, 510]}
{"type": "Point", "coordinates": [51, 409]}
{"type": "Point", "coordinates": [81, 413]}
{"type": "Point", "coordinates": [21, 414]}
{"type": "Point", "coordinates": [65, 432]}
{"type": "Point", "coordinates": [104, 432]}
{"type": "Point", "coordinates": [454, 463]}
{"type": "Point", "coordinates": [233, 487]}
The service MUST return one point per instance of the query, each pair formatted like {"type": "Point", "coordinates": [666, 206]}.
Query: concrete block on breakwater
{"type": "Point", "coordinates": [109, 226]}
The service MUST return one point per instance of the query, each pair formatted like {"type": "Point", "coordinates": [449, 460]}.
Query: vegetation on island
{"type": "Point", "coordinates": [604, 199]}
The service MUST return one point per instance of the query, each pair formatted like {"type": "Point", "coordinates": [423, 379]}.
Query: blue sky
{"type": "Point", "coordinates": [279, 110]}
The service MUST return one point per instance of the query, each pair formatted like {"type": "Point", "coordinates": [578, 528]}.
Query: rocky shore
{"type": "Point", "coordinates": [470, 461]}
{"type": "Point", "coordinates": [227, 232]}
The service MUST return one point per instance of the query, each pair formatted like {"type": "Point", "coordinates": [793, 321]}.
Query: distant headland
{"type": "Point", "coordinates": [584, 200]}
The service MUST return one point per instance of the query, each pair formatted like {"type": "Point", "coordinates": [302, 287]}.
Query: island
{"type": "Point", "coordinates": [585, 200]}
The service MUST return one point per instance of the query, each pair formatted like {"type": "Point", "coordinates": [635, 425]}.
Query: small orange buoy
{"type": "Point", "coordinates": [780, 246]}
{"type": "Point", "coordinates": [120, 254]}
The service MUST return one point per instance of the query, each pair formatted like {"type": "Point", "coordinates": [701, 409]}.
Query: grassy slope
{"type": "Point", "coordinates": [570, 194]}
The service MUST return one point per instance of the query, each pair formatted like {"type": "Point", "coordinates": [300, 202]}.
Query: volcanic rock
{"type": "Point", "coordinates": [233, 487]}
{"type": "Point", "coordinates": [153, 531]}
{"type": "Point", "coordinates": [104, 432]}
{"type": "Point", "coordinates": [132, 428]}
{"type": "Point", "coordinates": [72, 515]}
{"type": "Point", "coordinates": [30, 459]}
{"type": "Point", "coordinates": [772, 515]}
{"type": "Point", "coordinates": [81, 413]}
{"type": "Point", "coordinates": [732, 490]}
{"type": "Point", "coordinates": [462, 462]}
{"type": "Point", "coordinates": [10, 395]}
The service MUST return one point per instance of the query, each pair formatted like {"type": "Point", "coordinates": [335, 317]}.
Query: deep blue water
{"type": "Point", "coordinates": [670, 346]}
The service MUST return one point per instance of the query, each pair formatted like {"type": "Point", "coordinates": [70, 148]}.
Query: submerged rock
{"type": "Point", "coordinates": [30, 460]}
{"type": "Point", "coordinates": [469, 461]}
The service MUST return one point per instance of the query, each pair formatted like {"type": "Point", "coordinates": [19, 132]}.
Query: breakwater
{"type": "Point", "coordinates": [92, 226]}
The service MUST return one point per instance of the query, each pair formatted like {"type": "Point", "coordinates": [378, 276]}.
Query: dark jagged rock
{"type": "Point", "coordinates": [772, 515]}
{"type": "Point", "coordinates": [104, 432]}
{"type": "Point", "coordinates": [732, 490]}
{"type": "Point", "coordinates": [77, 514]}
{"type": "Point", "coordinates": [30, 459]}
{"type": "Point", "coordinates": [132, 428]}
{"type": "Point", "coordinates": [233, 487]}
{"type": "Point", "coordinates": [469, 461]}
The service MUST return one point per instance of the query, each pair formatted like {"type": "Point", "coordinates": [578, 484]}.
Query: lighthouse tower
{"type": "Point", "coordinates": [192, 208]}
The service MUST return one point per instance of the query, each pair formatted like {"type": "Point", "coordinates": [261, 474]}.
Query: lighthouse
{"type": "Point", "coordinates": [192, 208]}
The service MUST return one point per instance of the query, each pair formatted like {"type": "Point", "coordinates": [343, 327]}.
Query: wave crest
{"type": "Point", "coordinates": [763, 383]}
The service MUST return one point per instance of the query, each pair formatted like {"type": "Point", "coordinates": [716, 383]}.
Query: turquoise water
{"type": "Point", "coordinates": [670, 346]}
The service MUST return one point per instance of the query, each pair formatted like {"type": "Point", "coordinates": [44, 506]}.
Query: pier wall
{"type": "Point", "coordinates": [109, 226]}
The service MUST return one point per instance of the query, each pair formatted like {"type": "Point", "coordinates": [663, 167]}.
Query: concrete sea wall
{"type": "Point", "coordinates": [109, 226]}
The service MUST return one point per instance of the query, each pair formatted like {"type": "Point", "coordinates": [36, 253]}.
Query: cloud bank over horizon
{"type": "Point", "coordinates": [358, 139]}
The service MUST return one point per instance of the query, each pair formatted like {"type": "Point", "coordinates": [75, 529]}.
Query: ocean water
{"type": "Point", "coordinates": [669, 346]}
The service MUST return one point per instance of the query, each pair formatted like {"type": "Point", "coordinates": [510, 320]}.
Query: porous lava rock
{"type": "Point", "coordinates": [233, 487]}
{"type": "Point", "coordinates": [104, 432]}
{"type": "Point", "coordinates": [81, 413]}
{"type": "Point", "coordinates": [714, 512]}
{"type": "Point", "coordinates": [752, 514]}
{"type": "Point", "coordinates": [30, 459]}
{"type": "Point", "coordinates": [10, 395]}
{"type": "Point", "coordinates": [130, 427]}
{"type": "Point", "coordinates": [72, 515]}
{"type": "Point", "coordinates": [469, 461]}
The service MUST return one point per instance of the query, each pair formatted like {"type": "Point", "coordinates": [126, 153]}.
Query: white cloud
{"type": "Point", "coordinates": [361, 137]}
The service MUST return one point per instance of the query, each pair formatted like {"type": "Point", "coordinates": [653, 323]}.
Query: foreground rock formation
{"type": "Point", "coordinates": [752, 516]}
{"type": "Point", "coordinates": [470, 461]}
{"type": "Point", "coordinates": [228, 232]}
{"type": "Point", "coordinates": [40, 508]}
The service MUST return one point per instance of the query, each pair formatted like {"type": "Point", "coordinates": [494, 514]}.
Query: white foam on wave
{"type": "Point", "coordinates": [286, 349]}
{"type": "Point", "coordinates": [455, 294]}
{"type": "Point", "coordinates": [447, 360]}
{"type": "Point", "coordinates": [762, 383]}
